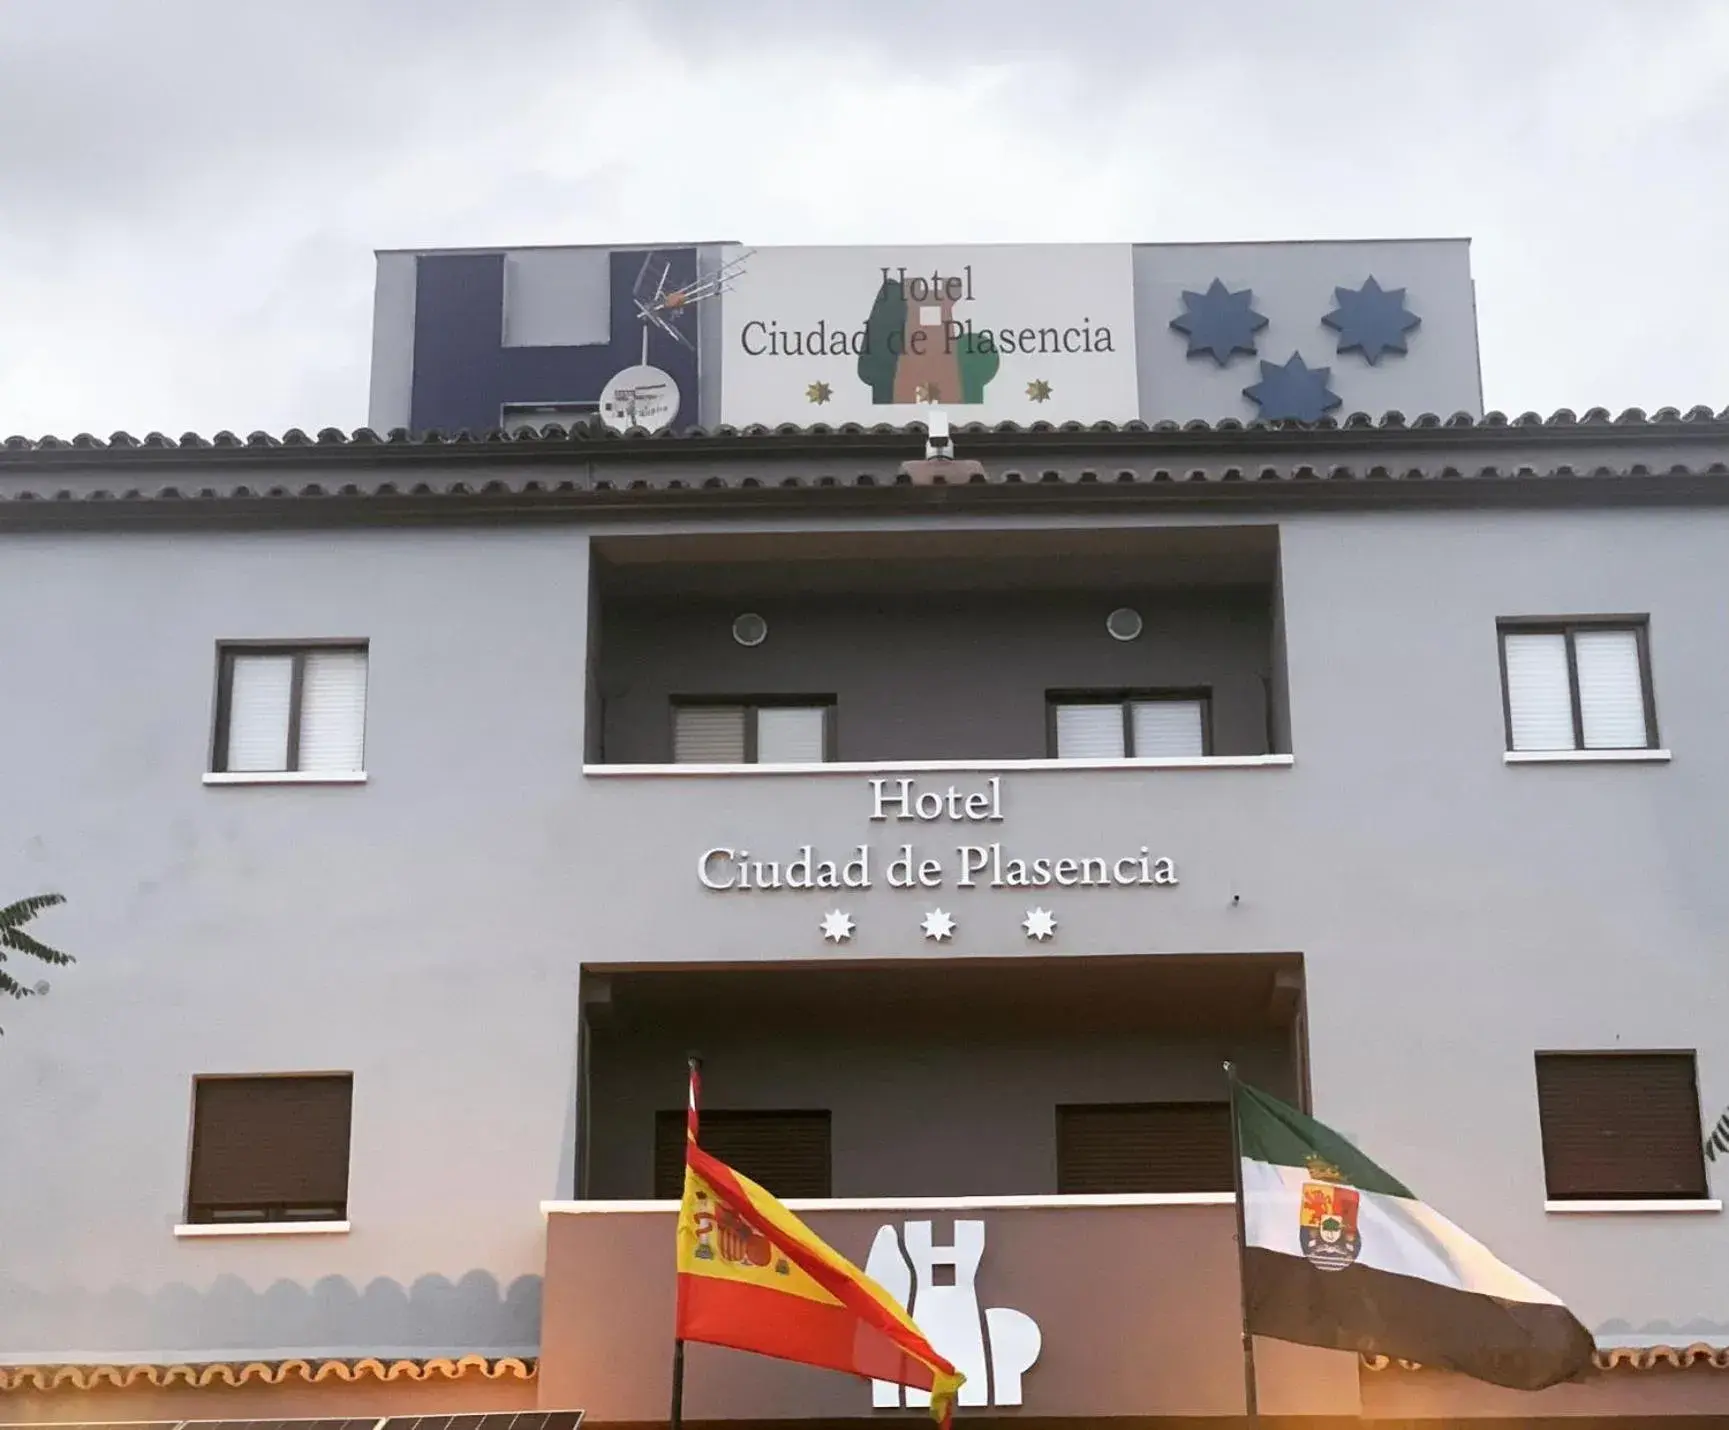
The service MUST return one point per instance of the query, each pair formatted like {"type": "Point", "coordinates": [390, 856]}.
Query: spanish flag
{"type": "Point", "coordinates": [752, 1276]}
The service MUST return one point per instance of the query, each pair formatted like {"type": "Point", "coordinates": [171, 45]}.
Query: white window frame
{"type": "Point", "coordinates": [752, 708]}
{"type": "Point", "coordinates": [1569, 628]}
{"type": "Point", "coordinates": [297, 651]}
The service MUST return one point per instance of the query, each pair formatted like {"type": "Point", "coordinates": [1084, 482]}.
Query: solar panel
{"type": "Point", "coordinates": [366, 1424]}
{"type": "Point", "coordinates": [92, 1425]}
{"type": "Point", "coordinates": [509, 1420]}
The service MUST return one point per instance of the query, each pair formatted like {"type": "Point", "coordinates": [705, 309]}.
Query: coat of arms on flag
{"type": "Point", "coordinates": [1327, 1219]}
{"type": "Point", "coordinates": [739, 1242]}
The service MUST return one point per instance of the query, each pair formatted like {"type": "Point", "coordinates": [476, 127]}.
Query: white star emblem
{"type": "Point", "coordinates": [938, 925]}
{"type": "Point", "coordinates": [836, 926]}
{"type": "Point", "coordinates": [1039, 923]}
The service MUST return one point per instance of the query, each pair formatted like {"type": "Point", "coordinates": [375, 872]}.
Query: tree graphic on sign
{"type": "Point", "coordinates": [914, 351]}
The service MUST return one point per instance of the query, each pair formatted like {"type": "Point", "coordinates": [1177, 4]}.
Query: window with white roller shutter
{"type": "Point", "coordinates": [791, 734]}
{"type": "Point", "coordinates": [1090, 731]}
{"type": "Point", "coordinates": [1167, 729]}
{"type": "Point", "coordinates": [1115, 726]}
{"type": "Point", "coordinates": [766, 732]}
{"type": "Point", "coordinates": [709, 734]}
{"type": "Point", "coordinates": [1611, 690]}
{"type": "Point", "coordinates": [260, 694]}
{"type": "Point", "coordinates": [292, 709]}
{"type": "Point", "coordinates": [1577, 686]}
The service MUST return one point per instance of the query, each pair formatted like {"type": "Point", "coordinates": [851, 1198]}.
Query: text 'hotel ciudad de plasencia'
{"type": "Point", "coordinates": [982, 864]}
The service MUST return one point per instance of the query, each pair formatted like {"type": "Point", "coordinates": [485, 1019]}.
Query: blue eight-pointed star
{"type": "Point", "coordinates": [1220, 322]}
{"type": "Point", "coordinates": [1371, 319]}
{"type": "Point", "coordinates": [1293, 391]}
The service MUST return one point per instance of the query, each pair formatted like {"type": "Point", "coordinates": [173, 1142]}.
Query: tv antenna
{"type": "Point", "coordinates": [660, 306]}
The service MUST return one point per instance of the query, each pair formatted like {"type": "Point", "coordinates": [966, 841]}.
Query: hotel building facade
{"type": "Point", "coordinates": [424, 796]}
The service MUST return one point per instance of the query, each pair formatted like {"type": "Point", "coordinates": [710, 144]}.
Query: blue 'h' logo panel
{"type": "Point", "coordinates": [464, 375]}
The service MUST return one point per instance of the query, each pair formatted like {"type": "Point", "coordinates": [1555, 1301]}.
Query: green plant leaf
{"type": "Point", "coordinates": [22, 942]}
{"type": "Point", "coordinates": [26, 909]}
{"type": "Point", "coordinates": [13, 939]}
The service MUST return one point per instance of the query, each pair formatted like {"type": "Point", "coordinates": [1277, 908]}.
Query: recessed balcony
{"type": "Point", "coordinates": [1008, 1145]}
{"type": "Point", "coordinates": [927, 649]}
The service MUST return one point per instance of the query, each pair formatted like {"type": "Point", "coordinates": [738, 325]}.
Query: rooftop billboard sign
{"type": "Point", "coordinates": [993, 333]}
{"type": "Point", "coordinates": [718, 333]}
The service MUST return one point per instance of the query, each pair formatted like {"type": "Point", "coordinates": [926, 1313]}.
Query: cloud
{"type": "Point", "coordinates": [193, 189]}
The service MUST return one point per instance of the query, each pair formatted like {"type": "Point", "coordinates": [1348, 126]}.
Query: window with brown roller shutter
{"type": "Point", "coordinates": [785, 1152]}
{"type": "Point", "coordinates": [270, 1148]}
{"type": "Point", "coordinates": [1620, 1126]}
{"type": "Point", "coordinates": [1144, 1147]}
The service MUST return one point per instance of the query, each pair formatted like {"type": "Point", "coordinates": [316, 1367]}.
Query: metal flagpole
{"type": "Point", "coordinates": [1251, 1400]}
{"type": "Point", "coordinates": [690, 1122]}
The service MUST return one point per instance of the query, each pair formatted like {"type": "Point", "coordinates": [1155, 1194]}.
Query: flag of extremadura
{"type": "Point", "coordinates": [1338, 1253]}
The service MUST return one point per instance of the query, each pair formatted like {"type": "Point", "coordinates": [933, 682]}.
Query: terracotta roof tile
{"type": "Point", "coordinates": [590, 465]}
{"type": "Point", "coordinates": [595, 433]}
{"type": "Point", "coordinates": [1699, 1353]}
{"type": "Point", "coordinates": [21, 1378]}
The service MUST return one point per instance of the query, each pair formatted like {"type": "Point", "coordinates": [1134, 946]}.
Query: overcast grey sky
{"type": "Point", "coordinates": [191, 190]}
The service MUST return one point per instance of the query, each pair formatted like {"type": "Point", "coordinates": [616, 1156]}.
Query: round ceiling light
{"type": "Point", "coordinates": [1123, 624]}
{"type": "Point", "coordinates": [749, 629]}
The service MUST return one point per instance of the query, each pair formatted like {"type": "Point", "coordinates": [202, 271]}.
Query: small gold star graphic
{"type": "Point", "coordinates": [818, 392]}
{"type": "Point", "coordinates": [1039, 390]}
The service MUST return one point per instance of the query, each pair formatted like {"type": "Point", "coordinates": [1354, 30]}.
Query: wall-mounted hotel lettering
{"type": "Point", "coordinates": [993, 864]}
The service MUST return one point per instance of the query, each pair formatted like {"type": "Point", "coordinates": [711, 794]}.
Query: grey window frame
{"type": "Point", "coordinates": [1701, 1188]}
{"type": "Point", "coordinates": [1570, 627]}
{"type": "Point", "coordinates": [1128, 699]}
{"type": "Point", "coordinates": [669, 1128]}
{"type": "Point", "coordinates": [751, 705]}
{"type": "Point", "coordinates": [226, 651]}
{"type": "Point", "coordinates": [280, 1210]}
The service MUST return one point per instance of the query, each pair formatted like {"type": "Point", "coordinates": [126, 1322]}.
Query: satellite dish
{"type": "Point", "coordinates": [640, 396]}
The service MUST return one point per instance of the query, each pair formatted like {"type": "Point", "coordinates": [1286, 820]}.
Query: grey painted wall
{"type": "Point", "coordinates": [985, 1121]}
{"type": "Point", "coordinates": [950, 676]}
{"type": "Point", "coordinates": [283, 929]}
{"type": "Point", "coordinates": [426, 930]}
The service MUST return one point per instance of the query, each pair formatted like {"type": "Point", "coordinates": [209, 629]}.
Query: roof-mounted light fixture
{"type": "Point", "coordinates": [937, 440]}
{"type": "Point", "coordinates": [939, 466]}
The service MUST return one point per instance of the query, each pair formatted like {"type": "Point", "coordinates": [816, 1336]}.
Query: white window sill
{"type": "Point", "coordinates": [921, 1204]}
{"type": "Point", "coordinates": [263, 1228]}
{"type": "Point", "coordinates": [284, 777]}
{"type": "Point", "coordinates": [903, 767]}
{"type": "Point", "coordinates": [1707, 1204]}
{"type": "Point", "coordinates": [1587, 757]}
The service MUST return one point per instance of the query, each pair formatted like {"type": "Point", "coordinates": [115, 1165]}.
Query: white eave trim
{"type": "Point", "coordinates": [1587, 757]}
{"type": "Point", "coordinates": [284, 777]}
{"type": "Point", "coordinates": [1703, 1204]}
{"type": "Point", "coordinates": [263, 1228]}
{"type": "Point", "coordinates": [920, 1204]}
{"type": "Point", "coordinates": [917, 767]}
